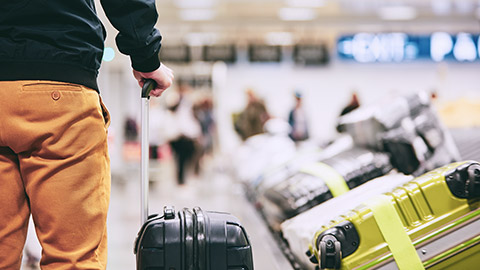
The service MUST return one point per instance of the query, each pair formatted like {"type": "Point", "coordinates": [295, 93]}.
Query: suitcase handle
{"type": "Point", "coordinates": [147, 87]}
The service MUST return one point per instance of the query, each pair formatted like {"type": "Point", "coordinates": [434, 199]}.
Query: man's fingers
{"type": "Point", "coordinates": [162, 76]}
{"type": "Point", "coordinates": [156, 92]}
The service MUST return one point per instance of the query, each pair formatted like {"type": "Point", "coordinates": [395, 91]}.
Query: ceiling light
{"type": "Point", "coordinates": [441, 7]}
{"type": "Point", "coordinates": [464, 7]}
{"type": "Point", "coordinates": [397, 13]}
{"type": "Point", "coordinates": [296, 14]}
{"type": "Point", "coordinates": [197, 14]}
{"type": "Point", "coordinates": [194, 3]}
{"type": "Point", "coordinates": [279, 38]}
{"type": "Point", "coordinates": [306, 3]}
{"type": "Point", "coordinates": [200, 38]}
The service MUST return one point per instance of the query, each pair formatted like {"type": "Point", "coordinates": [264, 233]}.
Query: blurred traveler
{"type": "Point", "coordinates": [297, 119]}
{"type": "Point", "coordinates": [130, 129]}
{"type": "Point", "coordinates": [353, 104]}
{"type": "Point", "coordinates": [157, 116]}
{"type": "Point", "coordinates": [203, 112]}
{"type": "Point", "coordinates": [251, 120]}
{"type": "Point", "coordinates": [182, 130]}
{"type": "Point", "coordinates": [54, 161]}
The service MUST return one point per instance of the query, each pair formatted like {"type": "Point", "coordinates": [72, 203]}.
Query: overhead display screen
{"type": "Point", "coordinates": [402, 47]}
{"type": "Point", "coordinates": [178, 54]}
{"type": "Point", "coordinates": [264, 53]}
{"type": "Point", "coordinates": [306, 54]}
{"type": "Point", "coordinates": [225, 53]}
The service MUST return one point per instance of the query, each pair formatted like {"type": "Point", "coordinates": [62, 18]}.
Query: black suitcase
{"type": "Point", "coordinates": [193, 239]}
{"type": "Point", "coordinates": [190, 239]}
{"type": "Point", "coordinates": [308, 187]}
{"type": "Point", "coordinates": [408, 128]}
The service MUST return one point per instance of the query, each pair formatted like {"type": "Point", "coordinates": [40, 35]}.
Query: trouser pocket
{"type": "Point", "coordinates": [105, 113]}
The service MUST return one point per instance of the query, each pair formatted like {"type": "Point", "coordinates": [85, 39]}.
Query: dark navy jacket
{"type": "Point", "coordinates": [63, 40]}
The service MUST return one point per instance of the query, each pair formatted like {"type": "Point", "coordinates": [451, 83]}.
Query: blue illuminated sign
{"type": "Point", "coordinates": [401, 47]}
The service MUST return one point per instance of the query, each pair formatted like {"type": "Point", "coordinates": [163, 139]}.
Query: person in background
{"type": "Point", "coordinates": [54, 160]}
{"type": "Point", "coordinates": [182, 130]}
{"type": "Point", "coordinates": [353, 104]}
{"type": "Point", "coordinates": [251, 120]}
{"type": "Point", "coordinates": [130, 129]}
{"type": "Point", "coordinates": [156, 142]}
{"type": "Point", "coordinates": [297, 119]}
{"type": "Point", "coordinates": [203, 111]}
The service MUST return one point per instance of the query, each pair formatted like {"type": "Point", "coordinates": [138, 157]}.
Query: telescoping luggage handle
{"type": "Point", "coordinates": [147, 87]}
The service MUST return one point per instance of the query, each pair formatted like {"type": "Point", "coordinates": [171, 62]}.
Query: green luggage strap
{"type": "Point", "coordinates": [394, 233]}
{"type": "Point", "coordinates": [330, 176]}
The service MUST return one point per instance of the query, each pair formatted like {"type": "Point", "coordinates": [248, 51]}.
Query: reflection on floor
{"type": "Point", "coordinates": [212, 190]}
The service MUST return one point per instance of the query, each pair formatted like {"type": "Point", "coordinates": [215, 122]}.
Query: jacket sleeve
{"type": "Point", "coordinates": [135, 20]}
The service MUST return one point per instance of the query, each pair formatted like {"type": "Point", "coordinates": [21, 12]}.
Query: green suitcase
{"type": "Point", "coordinates": [431, 222]}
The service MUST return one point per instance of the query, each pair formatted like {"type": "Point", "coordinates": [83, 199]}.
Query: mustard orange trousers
{"type": "Point", "coordinates": [54, 165]}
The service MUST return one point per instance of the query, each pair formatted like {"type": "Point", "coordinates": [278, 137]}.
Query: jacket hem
{"type": "Point", "coordinates": [15, 71]}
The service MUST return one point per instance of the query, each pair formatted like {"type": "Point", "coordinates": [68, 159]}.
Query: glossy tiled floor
{"type": "Point", "coordinates": [212, 190]}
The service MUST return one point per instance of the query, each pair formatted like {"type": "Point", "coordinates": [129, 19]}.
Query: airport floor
{"type": "Point", "coordinates": [212, 189]}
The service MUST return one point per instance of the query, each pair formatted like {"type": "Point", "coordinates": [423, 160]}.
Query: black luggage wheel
{"type": "Point", "coordinates": [336, 243]}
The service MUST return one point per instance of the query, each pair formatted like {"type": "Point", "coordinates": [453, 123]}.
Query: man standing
{"type": "Point", "coordinates": [297, 119]}
{"type": "Point", "coordinates": [54, 161]}
{"type": "Point", "coordinates": [251, 120]}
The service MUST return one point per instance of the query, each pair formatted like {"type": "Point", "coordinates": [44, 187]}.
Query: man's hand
{"type": "Point", "coordinates": [163, 76]}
